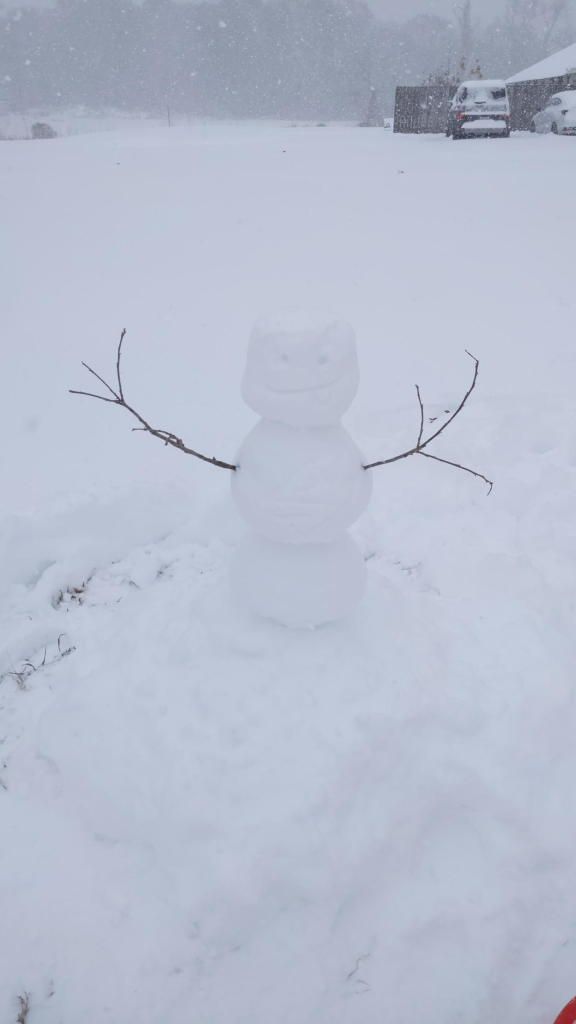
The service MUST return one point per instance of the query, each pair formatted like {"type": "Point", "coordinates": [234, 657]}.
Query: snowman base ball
{"type": "Point", "coordinates": [299, 482]}
{"type": "Point", "coordinates": [298, 585]}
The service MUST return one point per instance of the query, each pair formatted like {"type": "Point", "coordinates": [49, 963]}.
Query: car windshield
{"type": "Point", "coordinates": [481, 94]}
{"type": "Point", "coordinates": [562, 100]}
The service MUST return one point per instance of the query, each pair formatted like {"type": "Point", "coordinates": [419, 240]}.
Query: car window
{"type": "Point", "coordinates": [498, 94]}
{"type": "Point", "coordinates": [463, 94]}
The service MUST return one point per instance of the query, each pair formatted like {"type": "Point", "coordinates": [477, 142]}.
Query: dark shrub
{"type": "Point", "coordinates": [43, 131]}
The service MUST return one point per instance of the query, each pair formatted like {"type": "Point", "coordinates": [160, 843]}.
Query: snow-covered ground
{"type": "Point", "coordinates": [76, 121]}
{"type": "Point", "coordinates": [81, 120]}
{"type": "Point", "coordinates": [205, 817]}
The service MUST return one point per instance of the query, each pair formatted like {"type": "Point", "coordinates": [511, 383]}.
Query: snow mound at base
{"type": "Point", "coordinates": [337, 812]}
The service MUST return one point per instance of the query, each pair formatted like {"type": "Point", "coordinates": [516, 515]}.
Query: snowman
{"type": "Point", "coordinates": [299, 482]}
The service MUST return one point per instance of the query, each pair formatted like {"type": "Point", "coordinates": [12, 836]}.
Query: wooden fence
{"type": "Point", "coordinates": [421, 108]}
{"type": "Point", "coordinates": [424, 108]}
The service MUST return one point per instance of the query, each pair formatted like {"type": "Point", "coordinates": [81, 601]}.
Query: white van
{"type": "Point", "coordinates": [480, 108]}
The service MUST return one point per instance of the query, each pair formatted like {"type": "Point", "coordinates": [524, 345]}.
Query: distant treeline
{"type": "Point", "coordinates": [243, 58]}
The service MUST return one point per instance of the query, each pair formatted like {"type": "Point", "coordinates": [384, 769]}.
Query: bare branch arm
{"type": "Point", "coordinates": [420, 444]}
{"type": "Point", "coordinates": [163, 435]}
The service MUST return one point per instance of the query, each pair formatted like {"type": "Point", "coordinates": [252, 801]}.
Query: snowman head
{"type": "Point", "coordinates": [301, 368]}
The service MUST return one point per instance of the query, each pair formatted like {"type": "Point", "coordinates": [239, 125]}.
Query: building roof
{"type": "Point", "coordinates": [551, 67]}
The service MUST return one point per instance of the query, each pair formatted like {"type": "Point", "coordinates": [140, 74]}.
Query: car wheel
{"type": "Point", "coordinates": [554, 128]}
{"type": "Point", "coordinates": [532, 127]}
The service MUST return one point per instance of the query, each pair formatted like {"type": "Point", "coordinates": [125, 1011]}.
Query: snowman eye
{"type": "Point", "coordinates": [283, 357]}
{"type": "Point", "coordinates": [323, 359]}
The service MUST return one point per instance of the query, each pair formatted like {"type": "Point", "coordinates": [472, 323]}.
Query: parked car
{"type": "Point", "coordinates": [480, 108]}
{"type": "Point", "coordinates": [558, 116]}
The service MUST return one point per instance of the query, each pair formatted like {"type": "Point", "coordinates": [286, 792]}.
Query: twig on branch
{"type": "Point", "coordinates": [421, 416]}
{"type": "Point", "coordinates": [458, 466]}
{"type": "Point", "coordinates": [420, 444]}
{"type": "Point", "coordinates": [118, 364]}
{"type": "Point", "coordinates": [119, 399]}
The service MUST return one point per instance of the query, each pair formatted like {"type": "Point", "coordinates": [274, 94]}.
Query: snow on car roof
{"type": "Point", "coordinates": [484, 83]}
{"type": "Point", "coordinates": [568, 96]}
{"type": "Point", "coordinates": [551, 67]}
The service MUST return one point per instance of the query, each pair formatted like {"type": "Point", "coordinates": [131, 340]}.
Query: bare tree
{"type": "Point", "coordinates": [550, 14]}
{"type": "Point", "coordinates": [543, 17]}
{"type": "Point", "coordinates": [168, 438]}
{"type": "Point", "coordinates": [520, 14]}
{"type": "Point", "coordinates": [463, 13]}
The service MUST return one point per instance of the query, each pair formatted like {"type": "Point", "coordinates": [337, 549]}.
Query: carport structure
{"type": "Point", "coordinates": [529, 90]}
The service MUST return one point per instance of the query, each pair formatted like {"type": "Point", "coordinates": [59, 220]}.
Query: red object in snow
{"type": "Point", "coordinates": [568, 1015]}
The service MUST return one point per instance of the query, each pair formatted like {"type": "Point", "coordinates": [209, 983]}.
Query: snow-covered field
{"type": "Point", "coordinates": [77, 121]}
{"type": "Point", "coordinates": [80, 120]}
{"type": "Point", "coordinates": [208, 819]}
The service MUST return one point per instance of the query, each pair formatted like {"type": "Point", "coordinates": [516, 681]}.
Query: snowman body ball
{"type": "Point", "coordinates": [299, 482]}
